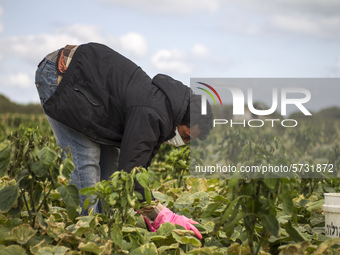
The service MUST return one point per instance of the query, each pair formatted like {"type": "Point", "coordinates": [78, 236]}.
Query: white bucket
{"type": "Point", "coordinates": [332, 214]}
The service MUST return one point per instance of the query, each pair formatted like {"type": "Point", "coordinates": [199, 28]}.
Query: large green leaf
{"type": "Point", "coordinates": [8, 197]}
{"type": "Point", "coordinates": [207, 250]}
{"type": "Point", "coordinates": [165, 229]}
{"type": "Point", "coordinates": [4, 160]}
{"type": "Point", "coordinates": [292, 249]}
{"type": "Point", "coordinates": [13, 250]}
{"type": "Point", "coordinates": [38, 189]}
{"type": "Point", "coordinates": [324, 246]}
{"type": "Point", "coordinates": [209, 209]}
{"type": "Point", "coordinates": [186, 239]}
{"type": "Point", "coordinates": [230, 207]}
{"type": "Point", "coordinates": [95, 248]}
{"type": "Point", "coordinates": [69, 194]}
{"type": "Point", "coordinates": [147, 194]}
{"type": "Point", "coordinates": [270, 222]}
{"type": "Point", "coordinates": [234, 220]}
{"type": "Point", "coordinates": [39, 168]}
{"type": "Point", "coordinates": [116, 235]}
{"type": "Point", "coordinates": [164, 248]}
{"type": "Point", "coordinates": [21, 234]}
{"type": "Point", "coordinates": [23, 178]}
{"type": "Point", "coordinates": [17, 208]}
{"type": "Point", "coordinates": [270, 182]}
{"type": "Point", "coordinates": [4, 233]}
{"type": "Point", "coordinates": [47, 155]}
{"type": "Point", "coordinates": [135, 244]}
{"type": "Point", "coordinates": [191, 240]}
{"type": "Point", "coordinates": [286, 198]}
{"type": "Point", "coordinates": [71, 212]}
{"type": "Point", "coordinates": [55, 250]}
{"type": "Point", "coordinates": [294, 234]}
{"type": "Point", "coordinates": [209, 226]}
{"type": "Point", "coordinates": [162, 198]}
{"type": "Point", "coordinates": [143, 179]}
{"type": "Point", "coordinates": [89, 191]}
{"type": "Point", "coordinates": [67, 168]}
{"type": "Point", "coordinates": [149, 248]}
{"type": "Point", "coordinates": [196, 184]}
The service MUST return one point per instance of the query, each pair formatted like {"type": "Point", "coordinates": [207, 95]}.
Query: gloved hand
{"type": "Point", "coordinates": [165, 215]}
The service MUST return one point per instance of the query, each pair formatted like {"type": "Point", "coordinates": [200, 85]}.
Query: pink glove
{"type": "Point", "coordinates": [165, 215]}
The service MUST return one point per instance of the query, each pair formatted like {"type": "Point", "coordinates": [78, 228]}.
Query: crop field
{"type": "Point", "coordinates": [39, 209]}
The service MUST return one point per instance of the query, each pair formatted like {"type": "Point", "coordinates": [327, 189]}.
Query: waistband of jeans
{"type": "Point", "coordinates": [45, 61]}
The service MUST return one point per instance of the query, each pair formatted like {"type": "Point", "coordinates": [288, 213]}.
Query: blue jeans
{"type": "Point", "coordinates": [93, 162]}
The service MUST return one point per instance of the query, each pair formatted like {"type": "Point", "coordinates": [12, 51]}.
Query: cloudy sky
{"type": "Point", "coordinates": [182, 38]}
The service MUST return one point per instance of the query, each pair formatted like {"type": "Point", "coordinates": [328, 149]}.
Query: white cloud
{"type": "Point", "coordinates": [168, 6]}
{"type": "Point", "coordinates": [18, 80]}
{"type": "Point", "coordinates": [29, 50]}
{"type": "Point", "coordinates": [81, 32]}
{"type": "Point", "coordinates": [181, 62]}
{"type": "Point", "coordinates": [199, 50]}
{"type": "Point", "coordinates": [316, 18]}
{"type": "Point", "coordinates": [316, 26]}
{"type": "Point", "coordinates": [134, 43]}
{"type": "Point", "coordinates": [303, 7]}
{"type": "Point", "coordinates": [289, 23]}
{"type": "Point", "coordinates": [33, 48]}
{"type": "Point", "coordinates": [172, 60]}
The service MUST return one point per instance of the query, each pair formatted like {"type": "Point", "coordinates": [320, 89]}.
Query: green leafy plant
{"type": "Point", "coordinates": [243, 215]}
{"type": "Point", "coordinates": [30, 172]}
{"type": "Point", "coordinates": [118, 197]}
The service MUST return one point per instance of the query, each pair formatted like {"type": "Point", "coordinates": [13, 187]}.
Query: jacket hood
{"type": "Point", "coordinates": [177, 93]}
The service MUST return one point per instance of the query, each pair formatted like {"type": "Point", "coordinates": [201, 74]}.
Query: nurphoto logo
{"type": "Point", "coordinates": [279, 98]}
{"type": "Point", "coordinates": [267, 128]}
{"type": "Point", "coordinates": [204, 99]}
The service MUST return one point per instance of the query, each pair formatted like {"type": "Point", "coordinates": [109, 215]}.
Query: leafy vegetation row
{"type": "Point", "coordinates": [40, 209]}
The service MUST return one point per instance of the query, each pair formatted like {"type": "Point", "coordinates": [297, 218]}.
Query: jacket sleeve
{"type": "Point", "coordinates": [141, 138]}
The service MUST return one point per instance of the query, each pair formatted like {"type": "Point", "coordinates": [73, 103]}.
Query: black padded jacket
{"type": "Point", "coordinates": [112, 101]}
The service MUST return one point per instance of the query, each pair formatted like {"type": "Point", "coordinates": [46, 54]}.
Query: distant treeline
{"type": "Point", "coordinates": [7, 106]}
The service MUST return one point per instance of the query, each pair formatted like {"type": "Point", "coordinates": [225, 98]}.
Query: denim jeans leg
{"type": "Point", "coordinates": [85, 153]}
{"type": "Point", "coordinates": [46, 80]}
{"type": "Point", "coordinates": [85, 156]}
